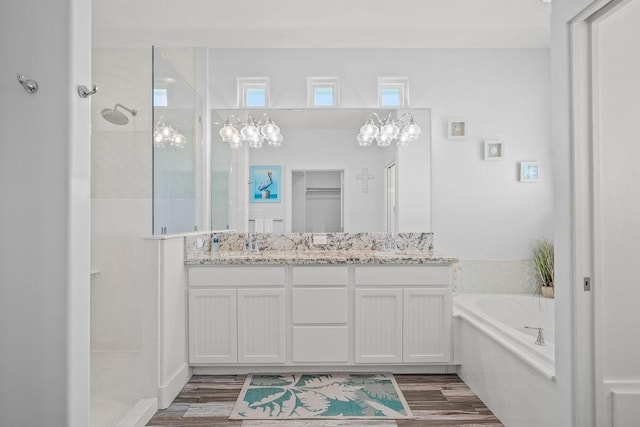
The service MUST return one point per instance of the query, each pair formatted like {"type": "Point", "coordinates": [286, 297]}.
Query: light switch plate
{"type": "Point", "coordinates": [319, 239]}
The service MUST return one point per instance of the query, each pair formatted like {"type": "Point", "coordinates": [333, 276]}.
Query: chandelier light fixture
{"type": "Point", "coordinates": [385, 131]}
{"type": "Point", "coordinates": [254, 134]}
{"type": "Point", "coordinates": [165, 135]}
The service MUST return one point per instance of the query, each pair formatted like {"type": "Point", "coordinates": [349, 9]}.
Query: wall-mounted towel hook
{"type": "Point", "coordinates": [30, 86]}
{"type": "Point", "coordinates": [84, 92]}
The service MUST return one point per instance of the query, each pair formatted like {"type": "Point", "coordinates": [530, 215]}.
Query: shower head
{"type": "Point", "coordinates": [116, 117]}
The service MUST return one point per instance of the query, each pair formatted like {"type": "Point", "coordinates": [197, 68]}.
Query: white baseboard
{"type": "Point", "coordinates": [169, 391]}
{"type": "Point", "coordinates": [140, 414]}
{"type": "Point", "coordinates": [396, 369]}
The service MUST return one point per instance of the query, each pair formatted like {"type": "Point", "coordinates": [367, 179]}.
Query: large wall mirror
{"type": "Point", "coordinates": [324, 180]}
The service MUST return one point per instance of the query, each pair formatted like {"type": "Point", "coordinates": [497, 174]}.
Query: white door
{"type": "Point", "coordinates": [261, 326]}
{"type": "Point", "coordinates": [212, 326]}
{"type": "Point", "coordinates": [378, 326]}
{"type": "Point", "coordinates": [606, 64]}
{"type": "Point", "coordinates": [617, 213]}
{"type": "Point", "coordinates": [427, 325]}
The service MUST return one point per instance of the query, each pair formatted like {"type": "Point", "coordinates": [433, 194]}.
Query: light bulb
{"type": "Point", "coordinates": [179, 141]}
{"type": "Point", "coordinates": [275, 141]}
{"type": "Point", "coordinates": [404, 139]}
{"type": "Point", "coordinates": [384, 140]}
{"type": "Point", "coordinates": [363, 140]}
{"type": "Point", "coordinates": [235, 142]}
{"type": "Point", "coordinates": [255, 141]}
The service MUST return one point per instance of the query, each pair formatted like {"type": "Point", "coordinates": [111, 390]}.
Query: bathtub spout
{"type": "Point", "coordinates": [540, 339]}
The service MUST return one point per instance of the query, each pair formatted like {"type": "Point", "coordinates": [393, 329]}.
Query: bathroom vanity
{"type": "Point", "coordinates": [319, 308]}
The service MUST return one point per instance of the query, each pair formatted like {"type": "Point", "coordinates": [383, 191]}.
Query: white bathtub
{"type": "Point", "coordinates": [499, 359]}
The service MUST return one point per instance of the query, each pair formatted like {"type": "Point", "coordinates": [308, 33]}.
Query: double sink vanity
{"type": "Point", "coordinates": [305, 300]}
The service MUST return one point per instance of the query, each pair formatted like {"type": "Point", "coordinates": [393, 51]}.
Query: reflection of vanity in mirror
{"type": "Point", "coordinates": [329, 181]}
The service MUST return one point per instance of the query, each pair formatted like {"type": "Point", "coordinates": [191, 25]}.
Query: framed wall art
{"type": "Point", "coordinates": [493, 149]}
{"type": "Point", "coordinates": [529, 171]}
{"type": "Point", "coordinates": [265, 184]}
{"type": "Point", "coordinates": [457, 129]}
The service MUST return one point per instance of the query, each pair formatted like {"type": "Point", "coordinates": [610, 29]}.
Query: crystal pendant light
{"type": "Point", "coordinates": [254, 134]}
{"type": "Point", "coordinates": [387, 130]}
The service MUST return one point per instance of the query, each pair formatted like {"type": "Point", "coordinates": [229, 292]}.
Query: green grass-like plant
{"type": "Point", "coordinates": [543, 258]}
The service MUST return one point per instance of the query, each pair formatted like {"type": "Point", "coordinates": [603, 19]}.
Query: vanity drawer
{"type": "Point", "coordinates": [430, 275]}
{"type": "Point", "coordinates": [319, 275]}
{"type": "Point", "coordinates": [320, 344]}
{"type": "Point", "coordinates": [237, 276]}
{"type": "Point", "coordinates": [319, 305]}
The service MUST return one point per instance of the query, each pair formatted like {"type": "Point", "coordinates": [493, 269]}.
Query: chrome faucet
{"type": "Point", "coordinates": [390, 244]}
{"type": "Point", "coordinates": [251, 243]}
{"type": "Point", "coordinates": [540, 339]}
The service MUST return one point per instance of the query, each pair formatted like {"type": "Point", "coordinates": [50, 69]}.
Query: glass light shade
{"type": "Point", "coordinates": [363, 140]}
{"type": "Point", "coordinates": [275, 141]}
{"type": "Point", "coordinates": [369, 129]}
{"type": "Point", "coordinates": [255, 141]}
{"type": "Point", "coordinates": [249, 130]}
{"type": "Point", "coordinates": [269, 129]}
{"type": "Point", "coordinates": [404, 139]}
{"type": "Point", "coordinates": [412, 129]}
{"type": "Point", "coordinates": [389, 128]}
{"type": "Point", "coordinates": [166, 131]}
{"type": "Point", "coordinates": [227, 132]}
{"type": "Point", "coordinates": [179, 141]}
{"type": "Point", "coordinates": [235, 142]}
{"type": "Point", "coordinates": [384, 140]}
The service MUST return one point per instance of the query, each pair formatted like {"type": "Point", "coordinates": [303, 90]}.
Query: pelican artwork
{"type": "Point", "coordinates": [264, 186]}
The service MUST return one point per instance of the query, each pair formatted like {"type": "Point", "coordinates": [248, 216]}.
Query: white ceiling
{"type": "Point", "coordinates": [322, 23]}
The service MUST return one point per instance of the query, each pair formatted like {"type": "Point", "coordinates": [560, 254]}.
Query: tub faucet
{"type": "Point", "coordinates": [540, 339]}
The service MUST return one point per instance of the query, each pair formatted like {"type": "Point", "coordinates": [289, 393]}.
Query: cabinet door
{"type": "Point", "coordinates": [427, 325]}
{"type": "Point", "coordinates": [212, 326]}
{"type": "Point", "coordinates": [378, 326]}
{"type": "Point", "coordinates": [261, 326]}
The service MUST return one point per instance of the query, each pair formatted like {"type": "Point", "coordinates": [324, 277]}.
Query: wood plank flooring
{"type": "Point", "coordinates": [435, 400]}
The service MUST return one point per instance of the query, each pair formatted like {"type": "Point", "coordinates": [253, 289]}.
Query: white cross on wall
{"type": "Point", "coordinates": [365, 176]}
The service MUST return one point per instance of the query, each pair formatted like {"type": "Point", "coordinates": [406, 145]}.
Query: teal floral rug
{"type": "Point", "coordinates": [320, 396]}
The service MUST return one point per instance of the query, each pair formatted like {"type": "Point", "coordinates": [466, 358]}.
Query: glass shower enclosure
{"type": "Point", "coordinates": [177, 146]}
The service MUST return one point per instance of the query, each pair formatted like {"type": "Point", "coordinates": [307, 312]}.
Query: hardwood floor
{"type": "Point", "coordinates": [435, 400]}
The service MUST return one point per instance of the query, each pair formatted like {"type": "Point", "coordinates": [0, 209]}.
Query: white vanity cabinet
{"type": "Point", "coordinates": [237, 315]}
{"type": "Point", "coordinates": [255, 316]}
{"type": "Point", "coordinates": [402, 314]}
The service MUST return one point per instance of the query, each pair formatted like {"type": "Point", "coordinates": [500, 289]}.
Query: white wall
{"type": "Point", "coordinates": [44, 215]}
{"type": "Point", "coordinates": [479, 209]}
{"type": "Point", "coordinates": [121, 197]}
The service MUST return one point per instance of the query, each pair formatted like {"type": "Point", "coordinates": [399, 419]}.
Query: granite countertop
{"type": "Point", "coordinates": [370, 257]}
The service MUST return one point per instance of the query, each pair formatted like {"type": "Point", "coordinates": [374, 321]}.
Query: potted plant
{"type": "Point", "coordinates": [543, 259]}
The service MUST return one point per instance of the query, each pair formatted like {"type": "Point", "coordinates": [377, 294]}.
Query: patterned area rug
{"type": "Point", "coordinates": [320, 396]}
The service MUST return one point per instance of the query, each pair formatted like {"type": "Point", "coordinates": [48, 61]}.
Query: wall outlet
{"type": "Point", "coordinates": [199, 243]}
{"type": "Point", "coordinates": [319, 239]}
